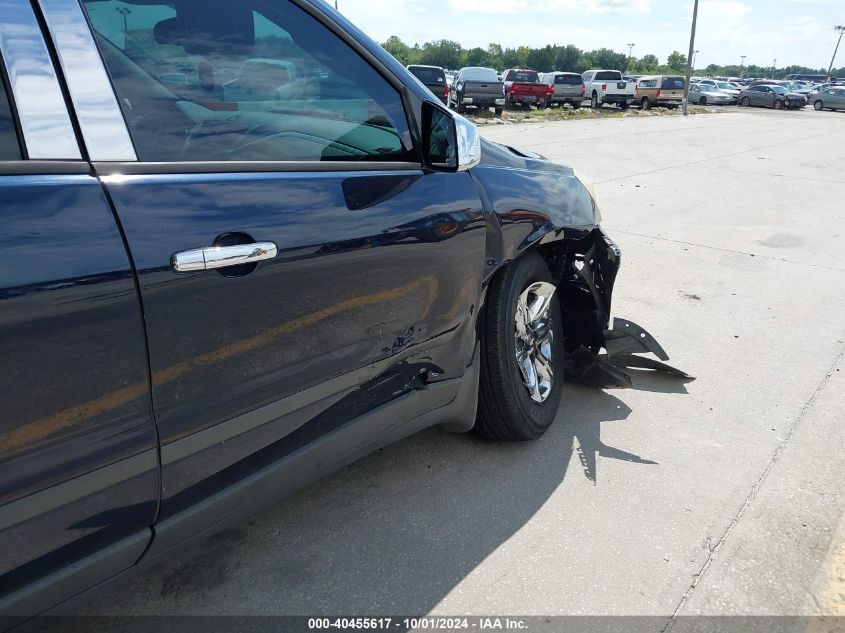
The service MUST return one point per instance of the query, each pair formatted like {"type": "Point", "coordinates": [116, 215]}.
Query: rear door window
{"type": "Point", "coordinates": [10, 148]}
{"type": "Point", "coordinates": [479, 74]}
{"type": "Point", "coordinates": [429, 76]}
{"type": "Point", "coordinates": [252, 80]}
{"type": "Point", "coordinates": [526, 76]}
{"type": "Point", "coordinates": [568, 80]}
{"type": "Point", "coordinates": [672, 83]}
{"type": "Point", "coordinates": [609, 75]}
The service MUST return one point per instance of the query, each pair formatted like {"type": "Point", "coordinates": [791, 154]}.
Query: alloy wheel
{"type": "Point", "coordinates": [534, 334]}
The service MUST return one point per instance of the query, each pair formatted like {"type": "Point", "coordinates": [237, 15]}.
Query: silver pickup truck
{"type": "Point", "coordinates": [477, 87]}
{"type": "Point", "coordinates": [607, 86]}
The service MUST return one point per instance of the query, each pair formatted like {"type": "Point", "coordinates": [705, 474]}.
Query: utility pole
{"type": "Point", "coordinates": [841, 29]}
{"type": "Point", "coordinates": [689, 57]}
{"type": "Point", "coordinates": [742, 67]}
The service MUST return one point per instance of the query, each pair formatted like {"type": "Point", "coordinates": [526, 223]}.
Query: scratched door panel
{"type": "Point", "coordinates": [377, 278]}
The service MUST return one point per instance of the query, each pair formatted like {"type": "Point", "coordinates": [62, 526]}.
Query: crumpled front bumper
{"type": "Point", "coordinates": [586, 292]}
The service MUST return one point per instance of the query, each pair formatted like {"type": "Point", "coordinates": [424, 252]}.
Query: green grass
{"type": "Point", "coordinates": [568, 114]}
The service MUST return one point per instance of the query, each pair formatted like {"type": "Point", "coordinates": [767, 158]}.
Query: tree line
{"type": "Point", "coordinates": [450, 54]}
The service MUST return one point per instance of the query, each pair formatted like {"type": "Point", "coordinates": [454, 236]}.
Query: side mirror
{"type": "Point", "coordinates": [450, 142]}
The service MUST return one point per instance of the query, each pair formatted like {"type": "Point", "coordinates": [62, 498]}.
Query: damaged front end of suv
{"type": "Point", "coordinates": [542, 205]}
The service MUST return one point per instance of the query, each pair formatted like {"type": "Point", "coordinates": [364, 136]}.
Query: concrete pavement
{"type": "Point", "coordinates": [721, 496]}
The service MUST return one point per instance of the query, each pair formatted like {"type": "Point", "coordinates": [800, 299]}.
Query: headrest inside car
{"type": "Point", "coordinates": [199, 30]}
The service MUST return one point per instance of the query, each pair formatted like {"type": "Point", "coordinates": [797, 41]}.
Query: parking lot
{"type": "Point", "coordinates": [720, 496]}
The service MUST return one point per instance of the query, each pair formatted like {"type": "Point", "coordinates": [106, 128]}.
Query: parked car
{"type": "Point", "coordinates": [566, 88]}
{"type": "Point", "coordinates": [433, 78]}
{"type": "Point", "coordinates": [799, 87]}
{"type": "Point", "coordinates": [706, 94]}
{"type": "Point", "coordinates": [212, 303]}
{"type": "Point", "coordinates": [830, 99]}
{"type": "Point", "coordinates": [477, 87]}
{"type": "Point", "coordinates": [607, 86]}
{"type": "Point", "coordinates": [722, 86]}
{"type": "Point", "coordinates": [523, 87]}
{"type": "Point", "coordinates": [771, 96]}
{"type": "Point", "coordinates": [802, 77]}
{"type": "Point", "coordinates": [660, 90]}
{"type": "Point", "coordinates": [811, 97]}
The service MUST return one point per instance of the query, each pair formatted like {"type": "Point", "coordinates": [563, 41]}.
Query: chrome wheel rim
{"type": "Point", "coordinates": [534, 336]}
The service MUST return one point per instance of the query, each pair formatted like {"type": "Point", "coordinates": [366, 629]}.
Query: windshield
{"type": "Point", "coordinates": [479, 74]}
{"type": "Point", "coordinates": [725, 84]}
{"type": "Point", "coordinates": [527, 76]}
{"type": "Point", "coordinates": [780, 90]}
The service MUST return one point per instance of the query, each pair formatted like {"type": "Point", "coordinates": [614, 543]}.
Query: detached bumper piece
{"type": "Point", "coordinates": [623, 344]}
{"type": "Point", "coordinates": [586, 290]}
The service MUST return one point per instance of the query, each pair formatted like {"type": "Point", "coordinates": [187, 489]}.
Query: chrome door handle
{"type": "Point", "coordinates": [212, 257]}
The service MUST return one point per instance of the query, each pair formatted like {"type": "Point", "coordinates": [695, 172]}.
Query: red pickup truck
{"type": "Point", "coordinates": [524, 87]}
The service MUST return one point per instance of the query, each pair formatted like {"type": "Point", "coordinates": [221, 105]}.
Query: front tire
{"type": "Point", "coordinates": [778, 104]}
{"type": "Point", "coordinates": [745, 102]}
{"type": "Point", "coordinates": [498, 111]}
{"type": "Point", "coordinates": [818, 105]}
{"type": "Point", "coordinates": [702, 101]}
{"type": "Point", "coordinates": [521, 353]}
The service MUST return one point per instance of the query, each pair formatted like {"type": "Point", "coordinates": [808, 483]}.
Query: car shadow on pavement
{"type": "Point", "coordinates": [657, 382]}
{"type": "Point", "coordinates": [393, 533]}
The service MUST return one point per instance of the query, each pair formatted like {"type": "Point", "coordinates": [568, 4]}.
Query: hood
{"type": "Point", "coordinates": [520, 181]}
{"type": "Point", "coordinates": [498, 155]}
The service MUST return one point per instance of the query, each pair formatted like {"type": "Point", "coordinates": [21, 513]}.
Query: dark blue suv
{"type": "Point", "coordinates": [241, 248]}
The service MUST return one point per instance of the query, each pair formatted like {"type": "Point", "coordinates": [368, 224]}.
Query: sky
{"type": "Point", "coordinates": [792, 31]}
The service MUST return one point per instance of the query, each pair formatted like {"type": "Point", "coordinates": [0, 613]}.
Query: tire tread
{"type": "Point", "coordinates": [499, 417]}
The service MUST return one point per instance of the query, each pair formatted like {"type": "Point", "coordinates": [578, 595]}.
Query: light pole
{"type": "Point", "coordinates": [841, 29]}
{"type": "Point", "coordinates": [124, 11]}
{"type": "Point", "coordinates": [774, 67]}
{"type": "Point", "coordinates": [694, 58]}
{"type": "Point", "coordinates": [630, 54]}
{"type": "Point", "coordinates": [742, 67]}
{"type": "Point", "coordinates": [689, 57]}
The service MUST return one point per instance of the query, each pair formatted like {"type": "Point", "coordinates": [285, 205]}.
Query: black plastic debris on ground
{"type": "Point", "coordinates": [624, 343]}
